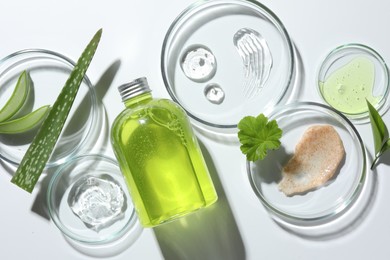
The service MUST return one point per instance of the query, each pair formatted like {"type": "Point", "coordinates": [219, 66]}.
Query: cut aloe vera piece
{"type": "Point", "coordinates": [18, 97]}
{"type": "Point", "coordinates": [25, 123]}
{"type": "Point", "coordinates": [41, 148]}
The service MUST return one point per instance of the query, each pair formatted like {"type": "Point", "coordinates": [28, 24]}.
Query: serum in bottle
{"type": "Point", "coordinates": [159, 157]}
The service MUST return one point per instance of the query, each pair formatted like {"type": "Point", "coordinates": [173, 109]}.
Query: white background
{"type": "Point", "coordinates": [238, 226]}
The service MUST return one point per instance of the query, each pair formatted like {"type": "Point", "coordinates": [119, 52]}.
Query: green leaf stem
{"type": "Point", "coordinates": [380, 133]}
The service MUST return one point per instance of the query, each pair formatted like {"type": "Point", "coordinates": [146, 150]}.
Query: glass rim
{"type": "Point", "coordinates": [197, 6]}
{"type": "Point", "coordinates": [383, 104]}
{"type": "Point", "coordinates": [283, 216]}
{"type": "Point", "coordinates": [64, 230]}
{"type": "Point", "coordinates": [37, 53]}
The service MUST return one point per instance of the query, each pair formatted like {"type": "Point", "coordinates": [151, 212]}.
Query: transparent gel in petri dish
{"type": "Point", "coordinates": [255, 50]}
{"type": "Point", "coordinates": [90, 204]}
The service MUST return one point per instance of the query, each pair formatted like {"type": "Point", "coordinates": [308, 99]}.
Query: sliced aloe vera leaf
{"type": "Point", "coordinates": [25, 123]}
{"type": "Point", "coordinates": [41, 148]}
{"type": "Point", "coordinates": [18, 97]}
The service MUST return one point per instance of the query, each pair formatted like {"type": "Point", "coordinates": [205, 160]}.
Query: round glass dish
{"type": "Point", "coordinates": [89, 202]}
{"type": "Point", "coordinates": [220, 73]}
{"type": "Point", "coordinates": [327, 202]}
{"type": "Point", "coordinates": [48, 71]}
{"type": "Point", "coordinates": [350, 74]}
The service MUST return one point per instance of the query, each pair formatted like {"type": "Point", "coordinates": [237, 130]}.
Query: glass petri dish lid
{"type": "Point", "coordinates": [48, 71]}
{"type": "Point", "coordinates": [349, 75]}
{"type": "Point", "coordinates": [318, 206]}
{"type": "Point", "coordinates": [89, 202]}
{"type": "Point", "coordinates": [220, 73]}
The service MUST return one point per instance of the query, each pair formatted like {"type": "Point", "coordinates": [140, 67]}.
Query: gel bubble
{"type": "Point", "coordinates": [214, 93]}
{"type": "Point", "coordinates": [198, 63]}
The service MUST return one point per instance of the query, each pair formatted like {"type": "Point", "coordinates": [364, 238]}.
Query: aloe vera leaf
{"type": "Point", "coordinates": [18, 97]}
{"type": "Point", "coordinates": [25, 123]}
{"type": "Point", "coordinates": [40, 149]}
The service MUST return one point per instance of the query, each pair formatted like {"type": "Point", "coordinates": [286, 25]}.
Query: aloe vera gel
{"type": "Point", "coordinates": [347, 88]}
{"type": "Point", "coordinates": [159, 157]}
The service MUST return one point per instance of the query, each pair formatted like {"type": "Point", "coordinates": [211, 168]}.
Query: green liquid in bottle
{"type": "Point", "coordinates": [348, 88]}
{"type": "Point", "coordinates": [160, 159]}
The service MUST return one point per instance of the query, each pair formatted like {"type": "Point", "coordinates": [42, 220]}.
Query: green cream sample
{"type": "Point", "coordinates": [159, 157]}
{"type": "Point", "coordinates": [347, 88]}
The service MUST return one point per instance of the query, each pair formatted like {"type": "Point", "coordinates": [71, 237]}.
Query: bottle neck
{"type": "Point", "coordinates": [137, 100]}
{"type": "Point", "coordinates": [135, 92]}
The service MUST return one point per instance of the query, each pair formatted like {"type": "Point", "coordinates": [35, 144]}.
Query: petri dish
{"type": "Point", "coordinates": [322, 205]}
{"type": "Point", "coordinates": [48, 71]}
{"type": "Point", "coordinates": [220, 73]}
{"type": "Point", "coordinates": [97, 229]}
{"type": "Point", "coordinates": [349, 75]}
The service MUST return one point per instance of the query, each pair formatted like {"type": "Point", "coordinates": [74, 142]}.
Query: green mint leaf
{"type": "Point", "coordinates": [257, 135]}
{"type": "Point", "coordinates": [379, 132]}
{"type": "Point", "coordinates": [40, 149]}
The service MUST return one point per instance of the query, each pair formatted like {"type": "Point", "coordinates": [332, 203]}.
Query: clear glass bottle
{"type": "Point", "coordinates": [159, 157]}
